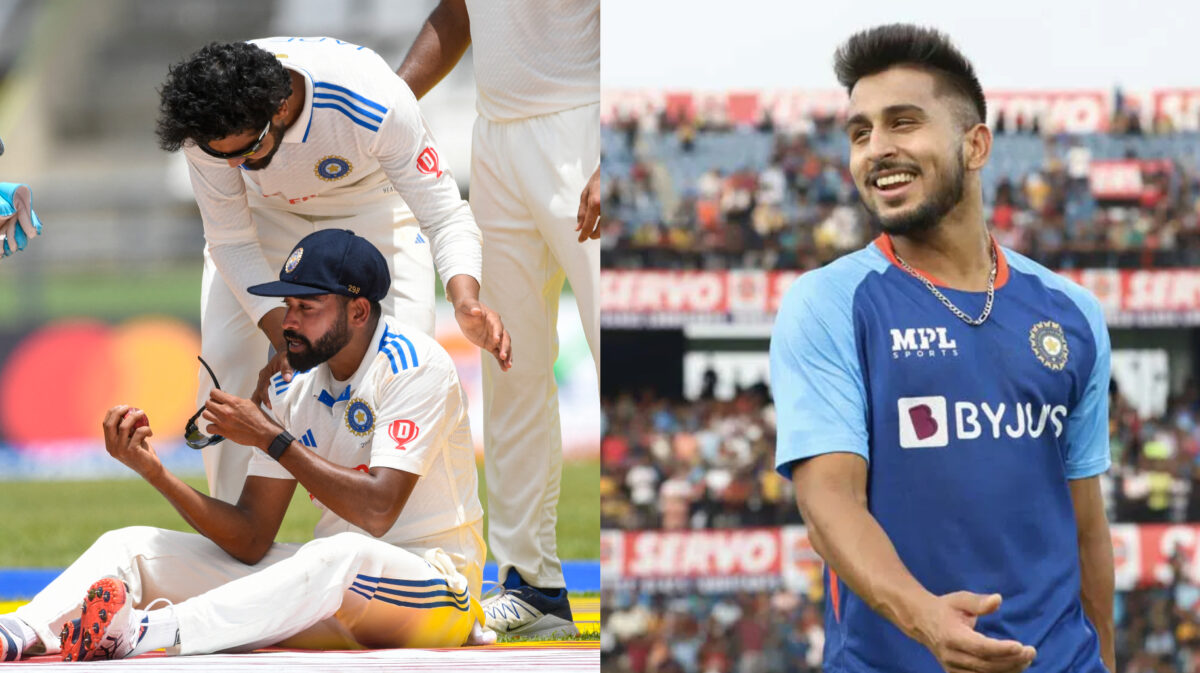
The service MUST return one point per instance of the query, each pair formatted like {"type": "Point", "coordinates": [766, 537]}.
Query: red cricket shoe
{"type": "Point", "coordinates": [105, 629]}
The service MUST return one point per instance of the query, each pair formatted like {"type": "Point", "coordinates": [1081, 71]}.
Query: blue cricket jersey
{"type": "Point", "coordinates": [970, 434]}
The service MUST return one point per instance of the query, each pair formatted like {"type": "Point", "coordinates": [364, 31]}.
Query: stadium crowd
{"type": "Point", "coordinates": [708, 463]}
{"type": "Point", "coordinates": [677, 197]}
{"type": "Point", "coordinates": [1158, 631]}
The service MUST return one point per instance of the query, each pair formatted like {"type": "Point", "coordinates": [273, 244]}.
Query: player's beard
{"type": "Point", "coordinates": [326, 347]}
{"type": "Point", "coordinates": [930, 211]}
{"type": "Point", "coordinates": [276, 133]}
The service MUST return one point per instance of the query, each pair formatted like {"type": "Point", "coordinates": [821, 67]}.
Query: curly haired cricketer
{"type": "Point", "coordinates": [286, 136]}
{"type": "Point", "coordinates": [536, 142]}
{"type": "Point", "coordinates": [375, 428]}
{"type": "Point", "coordinates": [943, 402]}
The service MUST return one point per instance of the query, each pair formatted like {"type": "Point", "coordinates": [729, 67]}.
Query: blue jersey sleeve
{"type": "Point", "coordinates": [816, 377]}
{"type": "Point", "coordinates": [1087, 424]}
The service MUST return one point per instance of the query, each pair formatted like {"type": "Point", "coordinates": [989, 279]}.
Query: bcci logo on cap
{"type": "Point", "coordinates": [333, 168]}
{"type": "Point", "coordinates": [359, 417]}
{"type": "Point", "coordinates": [290, 265]}
{"type": "Point", "coordinates": [1049, 344]}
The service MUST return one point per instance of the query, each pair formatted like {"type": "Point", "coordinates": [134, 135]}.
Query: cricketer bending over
{"type": "Point", "coordinates": [398, 554]}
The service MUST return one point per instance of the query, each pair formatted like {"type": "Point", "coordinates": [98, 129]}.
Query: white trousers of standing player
{"type": "Point", "coordinates": [346, 591]}
{"type": "Point", "coordinates": [526, 179]}
{"type": "Point", "coordinates": [233, 345]}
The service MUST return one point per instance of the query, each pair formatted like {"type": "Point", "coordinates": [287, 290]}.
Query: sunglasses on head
{"type": "Point", "coordinates": [192, 436]}
{"type": "Point", "coordinates": [239, 153]}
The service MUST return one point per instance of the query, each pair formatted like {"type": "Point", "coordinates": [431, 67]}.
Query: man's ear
{"type": "Point", "coordinates": [977, 146]}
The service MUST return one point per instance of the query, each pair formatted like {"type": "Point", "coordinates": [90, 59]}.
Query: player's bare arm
{"type": "Point", "coordinates": [831, 491]}
{"type": "Point", "coordinates": [245, 530]}
{"type": "Point", "coordinates": [588, 219]}
{"type": "Point", "coordinates": [370, 500]}
{"type": "Point", "coordinates": [481, 325]}
{"type": "Point", "coordinates": [439, 46]}
{"type": "Point", "coordinates": [1095, 563]}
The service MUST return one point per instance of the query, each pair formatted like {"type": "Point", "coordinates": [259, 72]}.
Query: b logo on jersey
{"type": "Point", "coordinates": [290, 265]}
{"type": "Point", "coordinates": [403, 432]}
{"type": "Point", "coordinates": [359, 417]}
{"type": "Point", "coordinates": [427, 162]}
{"type": "Point", "coordinates": [333, 168]}
{"type": "Point", "coordinates": [1049, 344]}
{"type": "Point", "coordinates": [923, 422]}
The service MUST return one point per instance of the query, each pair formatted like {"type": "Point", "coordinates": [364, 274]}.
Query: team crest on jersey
{"type": "Point", "coordinates": [333, 168]}
{"type": "Point", "coordinates": [1049, 344]}
{"type": "Point", "coordinates": [359, 417]}
{"type": "Point", "coordinates": [290, 265]}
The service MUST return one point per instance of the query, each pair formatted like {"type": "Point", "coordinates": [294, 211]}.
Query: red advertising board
{"type": "Point", "coordinates": [668, 299]}
{"type": "Point", "coordinates": [752, 558]}
{"type": "Point", "coordinates": [1057, 111]}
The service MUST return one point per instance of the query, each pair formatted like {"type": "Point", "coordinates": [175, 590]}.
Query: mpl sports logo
{"type": "Point", "coordinates": [925, 421]}
{"type": "Point", "coordinates": [923, 342]}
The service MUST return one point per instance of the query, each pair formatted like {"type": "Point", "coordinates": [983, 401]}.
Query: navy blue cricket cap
{"type": "Point", "coordinates": [331, 261]}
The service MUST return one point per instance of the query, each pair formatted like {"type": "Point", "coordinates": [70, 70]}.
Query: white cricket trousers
{"type": "Point", "coordinates": [233, 345]}
{"type": "Point", "coordinates": [346, 591]}
{"type": "Point", "coordinates": [526, 180]}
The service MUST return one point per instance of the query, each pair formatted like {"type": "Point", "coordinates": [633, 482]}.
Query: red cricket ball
{"type": "Point", "coordinates": [141, 422]}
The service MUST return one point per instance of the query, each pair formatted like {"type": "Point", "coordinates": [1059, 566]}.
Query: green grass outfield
{"type": "Point", "coordinates": [47, 524]}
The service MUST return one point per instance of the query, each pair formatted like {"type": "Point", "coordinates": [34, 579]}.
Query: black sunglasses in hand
{"type": "Point", "coordinates": [192, 435]}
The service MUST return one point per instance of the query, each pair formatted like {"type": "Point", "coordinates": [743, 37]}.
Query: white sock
{"type": "Point", "coordinates": [161, 629]}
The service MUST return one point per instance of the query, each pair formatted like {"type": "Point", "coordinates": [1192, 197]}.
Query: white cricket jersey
{"type": "Point", "coordinates": [403, 409]}
{"type": "Point", "coordinates": [534, 57]}
{"type": "Point", "coordinates": [360, 140]}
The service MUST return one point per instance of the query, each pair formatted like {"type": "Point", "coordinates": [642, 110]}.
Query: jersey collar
{"type": "Point", "coordinates": [329, 391]}
{"type": "Point", "coordinates": [884, 243]}
{"type": "Point", "coordinates": [298, 132]}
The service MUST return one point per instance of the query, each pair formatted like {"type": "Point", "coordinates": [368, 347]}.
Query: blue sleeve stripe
{"type": "Point", "coordinates": [361, 99]}
{"type": "Point", "coordinates": [411, 349]}
{"type": "Point", "coordinates": [356, 120]}
{"type": "Point", "coordinates": [392, 358]}
{"type": "Point", "coordinates": [360, 592]}
{"type": "Point", "coordinates": [348, 104]}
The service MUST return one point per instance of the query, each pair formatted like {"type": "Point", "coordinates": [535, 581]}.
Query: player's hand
{"type": "Point", "coordinates": [949, 632]}
{"type": "Point", "coordinates": [277, 365]}
{"type": "Point", "coordinates": [483, 327]}
{"type": "Point", "coordinates": [239, 420]}
{"type": "Point", "coordinates": [129, 445]}
{"type": "Point", "coordinates": [588, 219]}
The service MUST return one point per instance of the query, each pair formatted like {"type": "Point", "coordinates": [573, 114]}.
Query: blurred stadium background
{"type": "Point", "coordinates": [104, 307]}
{"type": "Point", "coordinates": [715, 201]}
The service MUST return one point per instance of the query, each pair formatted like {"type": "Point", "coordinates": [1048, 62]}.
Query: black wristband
{"type": "Point", "coordinates": [280, 444]}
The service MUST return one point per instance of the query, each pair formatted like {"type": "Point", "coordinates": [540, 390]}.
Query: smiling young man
{"type": "Point", "coordinates": [286, 136]}
{"type": "Point", "coordinates": [376, 430]}
{"type": "Point", "coordinates": [942, 402]}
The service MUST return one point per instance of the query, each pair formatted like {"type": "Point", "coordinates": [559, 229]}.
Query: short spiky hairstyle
{"type": "Point", "coordinates": [874, 50]}
{"type": "Point", "coordinates": [221, 90]}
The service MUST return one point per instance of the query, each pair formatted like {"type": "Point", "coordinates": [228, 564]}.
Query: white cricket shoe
{"type": "Point", "coordinates": [525, 611]}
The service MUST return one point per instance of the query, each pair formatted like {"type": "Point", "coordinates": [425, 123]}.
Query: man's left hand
{"type": "Point", "coordinates": [588, 219]}
{"type": "Point", "coordinates": [483, 327]}
{"type": "Point", "coordinates": [239, 420]}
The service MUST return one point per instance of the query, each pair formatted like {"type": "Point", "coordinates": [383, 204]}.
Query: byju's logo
{"type": "Point", "coordinates": [922, 342]}
{"type": "Point", "coordinates": [923, 422]}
